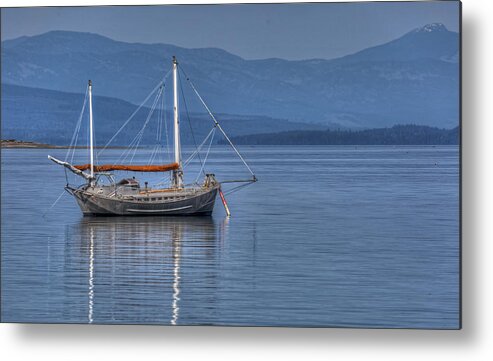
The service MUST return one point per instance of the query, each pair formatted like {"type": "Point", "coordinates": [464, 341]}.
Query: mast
{"type": "Point", "coordinates": [91, 145]}
{"type": "Point", "coordinates": [177, 174]}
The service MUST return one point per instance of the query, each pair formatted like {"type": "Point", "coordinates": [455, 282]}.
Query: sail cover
{"type": "Point", "coordinates": [132, 168]}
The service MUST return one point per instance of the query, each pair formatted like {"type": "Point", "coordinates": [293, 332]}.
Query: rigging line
{"type": "Point", "coordinates": [136, 141]}
{"type": "Point", "coordinates": [94, 141]}
{"type": "Point", "coordinates": [124, 154]}
{"type": "Point", "coordinates": [166, 129]}
{"type": "Point", "coordinates": [80, 115]}
{"type": "Point", "coordinates": [128, 149]}
{"type": "Point", "coordinates": [237, 181]}
{"type": "Point", "coordinates": [164, 181]}
{"type": "Point", "coordinates": [136, 146]}
{"type": "Point", "coordinates": [123, 157]}
{"type": "Point", "coordinates": [218, 125]}
{"type": "Point", "coordinates": [151, 157]}
{"type": "Point", "coordinates": [206, 156]}
{"type": "Point", "coordinates": [135, 112]}
{"type": "Point", "coordinates": [237, 188]}
{"type": "Point", "coordinates": [154, 148]}
{"type": "Point", "coordinates": [127, 121]}
{"type": "Point", "coordinates": [200, 147]}
{"type": "Point", "coordinates": [88, 136]}
{"type": "Point", "coordinates": [75, 136]}
{"type": "Point", "coordinates": [158, 131]}
{"type": "Point", "coordinates": [75, 142]}
{"type": "Point", "coordinates": [159, 146]}
{"type": "Point", "coordinates": [154, 154]}
{"type": "Point", "coordinates": [233, 190]}
{"type": "Point", "coordinates": [77, 128]}
{"type": "Point", "coordinates": [190, 124]}
{"type": "Point", "coordinates": [158, 128]}
{"type": "Point", "coordinates": [147, 121]}
{"type": "Point", "coordinates": [131, 147]}
{"type": "Point", "coordinates": [49, 209]}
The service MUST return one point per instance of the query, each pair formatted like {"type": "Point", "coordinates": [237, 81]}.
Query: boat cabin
{"type": "Point", "coordinates": [129, 182]}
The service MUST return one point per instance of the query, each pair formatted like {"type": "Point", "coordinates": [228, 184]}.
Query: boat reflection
{"type": "Point", "coordinates": [135, 266]}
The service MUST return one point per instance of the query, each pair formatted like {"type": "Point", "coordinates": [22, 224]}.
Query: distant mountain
{"type": "Point", "coordinates": [413, 79]}
{"type": "Point", "coordinates": [49, 116]}
{"type": "Point", "coordinates": [432, 41]}
{"type": "Point", "coordinates": [396, 135]}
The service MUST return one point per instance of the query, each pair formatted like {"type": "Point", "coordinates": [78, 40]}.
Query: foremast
{"type": "Point", "coordinates": [177, 176]}
{"type": "Point", "coordinates": [91, 134]}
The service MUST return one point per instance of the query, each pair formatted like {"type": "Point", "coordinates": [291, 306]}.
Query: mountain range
{"type": "Point", "coordinates": [412, 79]}
{"type": "Point", "coordinates": [49, 116]}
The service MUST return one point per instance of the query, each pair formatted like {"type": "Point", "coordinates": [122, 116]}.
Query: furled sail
{"type": "Point", "coordinates": [132, 168]}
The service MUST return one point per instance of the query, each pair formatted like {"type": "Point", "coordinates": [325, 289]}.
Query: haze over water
{"type": "Point", "coordinates": [329, 236]}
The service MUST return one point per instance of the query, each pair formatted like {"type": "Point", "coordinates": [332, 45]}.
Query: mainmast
{"type": "Point", "coordinates": [91, 145]}
{"type": "Point", "coordinates": [177, 180]}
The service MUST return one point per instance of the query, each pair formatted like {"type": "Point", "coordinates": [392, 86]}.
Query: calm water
{"type": "Point", "coordinates": [330, 236]}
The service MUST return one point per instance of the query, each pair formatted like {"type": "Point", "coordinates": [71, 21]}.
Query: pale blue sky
{"type": "Point", "coordinates": [289, 31]}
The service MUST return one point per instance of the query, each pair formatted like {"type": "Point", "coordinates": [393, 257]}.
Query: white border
{"type": "Point", "coordinates": [474, 342]}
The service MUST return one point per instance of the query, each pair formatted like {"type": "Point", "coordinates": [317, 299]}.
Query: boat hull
{"type": "Point", "coordinates": [192, 205]}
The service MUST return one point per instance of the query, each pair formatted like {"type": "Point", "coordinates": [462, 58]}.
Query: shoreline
{"type": "Point", "coordinates": [19, 144]}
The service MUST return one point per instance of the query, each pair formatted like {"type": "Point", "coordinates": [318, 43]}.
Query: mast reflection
{"type": "Point", "coordinates": [91, 276]}
{"type": "Point", "coordinates": [176, 238]}
{"type": "Point", "coordinates": [134, 267]}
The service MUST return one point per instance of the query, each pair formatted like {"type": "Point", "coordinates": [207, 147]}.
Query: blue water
{"type": "Point", "coordinates": [329, 236]}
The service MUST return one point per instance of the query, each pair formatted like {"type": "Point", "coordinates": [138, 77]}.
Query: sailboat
{"type": "Point", "coordinates": [127, 197]}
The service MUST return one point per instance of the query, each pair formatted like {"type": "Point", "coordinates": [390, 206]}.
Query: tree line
{"type": "Point", "coordinates": [397, 135]}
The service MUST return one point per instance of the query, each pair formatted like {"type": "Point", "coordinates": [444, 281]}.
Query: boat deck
{"type": "Point", "coordinates": [145, 194]}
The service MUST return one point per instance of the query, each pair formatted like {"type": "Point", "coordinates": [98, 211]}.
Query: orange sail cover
{"type": "Point", "coordinates": [132, 168]}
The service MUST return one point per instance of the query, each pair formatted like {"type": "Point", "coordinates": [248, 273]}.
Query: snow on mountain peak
{"type": "Point", "coordinates": [435, 27]}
